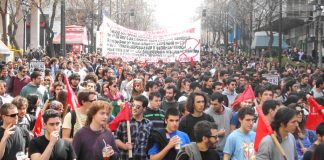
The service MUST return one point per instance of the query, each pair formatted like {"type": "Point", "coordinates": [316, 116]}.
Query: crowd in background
{"type": "Point", "coordinates": [178, 110]}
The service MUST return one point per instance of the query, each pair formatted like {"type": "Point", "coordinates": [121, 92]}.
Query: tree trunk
{"type": "Point", "coordinates": [4, 12]}
{"type": "Point", "coordinates": [49, 28]}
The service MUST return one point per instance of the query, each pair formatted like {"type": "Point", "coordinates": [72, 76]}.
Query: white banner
{"type": "Point", "coordinates": [167, 45]}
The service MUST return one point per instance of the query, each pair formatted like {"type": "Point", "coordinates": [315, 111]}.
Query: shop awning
{"type": "Point", "coordinates": [4, 49]}
{"type": "Point", "coordinates": [73, 35]}
{"type": "Point", "coordinates": [261, 40]}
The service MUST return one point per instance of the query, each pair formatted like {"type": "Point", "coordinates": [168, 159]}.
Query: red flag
{"type": "Point", "coordinates": [72, 99]}
{"type": "Point", "coordinates": [315, 115]}
{"type": "Point", "coordinates": [192, 62]}
{"type": "Point", "coordinates": [123, 115]}
{"type": "Point", "coordinates": [38, 124]}
{"type": "Point", "coordinates": [247, 94]}
{"type": "Point", "coordinates": [263, 128]}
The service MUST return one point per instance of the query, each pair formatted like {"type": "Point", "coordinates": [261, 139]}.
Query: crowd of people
{"type": "Point", "coordinates": [178, 110]}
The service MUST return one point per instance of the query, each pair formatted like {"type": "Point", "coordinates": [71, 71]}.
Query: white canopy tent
{"type": "Point", "coordinates": [5, 53]}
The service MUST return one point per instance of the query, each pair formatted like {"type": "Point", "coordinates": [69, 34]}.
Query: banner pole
{"type": "Point", "coordinates": [276, 142]}
{"type": "Point", "coordinates": [129, 140]}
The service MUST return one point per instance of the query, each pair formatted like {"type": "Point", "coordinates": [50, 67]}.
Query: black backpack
{"type": "Point", "coordinates": [73, 121]}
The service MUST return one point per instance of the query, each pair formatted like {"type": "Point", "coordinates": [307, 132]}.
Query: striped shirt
{"type": "Point", "coordinates": [156, 117]}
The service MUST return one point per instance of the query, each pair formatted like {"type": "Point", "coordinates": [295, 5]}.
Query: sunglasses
{"type": "Point", "coordinates": [47, 80]}
{"type": "Point", "coordinates": [13, 115]}
{"type": "Point", "coordinates": [299, 112]}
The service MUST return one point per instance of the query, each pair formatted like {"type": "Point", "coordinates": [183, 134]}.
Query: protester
{"type": "Point", "coordinates": [139, 126]}
{"type": "Point", "coordinates": [76, 119]}
{"type": "Point", "coordinates": [25, 120]}
{"type": "Point", "coordinates": [222, 116]}
{"type": "Point", "coordinates": [153, 112]}
{"type": "Point", "coordinates": [35, 87]}
{"type": "Point", "coordinates": [51, 146]}
{"type": "Point", "coordinates": [14, 139]}
{"type": "Point", "coordinates": [197, 103]}
{"type": "Point", "coordinates": [206, 137]}
{"type": "Point", "coordinates": [4, 97]}
{"type": "Point", "coordinates": [18, 82]}
{"type": "Point", "coordinates": [169, 98]}
{"type": "Point", "coordinates": [320, 139]}
{"type": "Point", "coordinates": [91, 139]}
{"type": "Point", "coordinates": [165, 141]}
{"type": "Point", "coordinates": [239, 144]}
{"type": "Point", "coordinates": [284, 124]}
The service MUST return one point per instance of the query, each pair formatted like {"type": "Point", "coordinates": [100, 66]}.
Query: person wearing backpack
{"type": "Point", "coordinates": [75, 120]}
{"type": "Point", "coordinates": [204, 148]}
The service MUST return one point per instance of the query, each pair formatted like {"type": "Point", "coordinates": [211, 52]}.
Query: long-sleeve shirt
{"type": "Point", "coordinates": [140, 132]}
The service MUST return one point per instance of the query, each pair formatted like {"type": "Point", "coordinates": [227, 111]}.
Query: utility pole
{"type": "Point", "coordinates": [319, 37]}
{"type": "Point", "coordinates": [251, 28]}
{"type": "Point", "coordinates": [63, 45]}
{"type": "Point", "coordinates": [280, 35]}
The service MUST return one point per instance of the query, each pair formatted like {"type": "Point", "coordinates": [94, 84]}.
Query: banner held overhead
{"type": "Point", "coordinates": [167, 45]}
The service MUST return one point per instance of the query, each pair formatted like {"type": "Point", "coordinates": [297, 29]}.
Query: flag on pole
{"type": "Point", "coordinates": [247, 94]}
{"type": "Point", "coordinates": [263, 128]}
{"type": "Point", "coordinates": [123, 115]}
{"type": "Point", "coordinates": [315, 116]}
{"type": "Point", "coordinates": [72, 99]}
{"type": "Point", "coordinates": [38, 124]}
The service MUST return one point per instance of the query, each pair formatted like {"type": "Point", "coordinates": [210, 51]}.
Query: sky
{"type": "Point", "coordinates": [172, 13]}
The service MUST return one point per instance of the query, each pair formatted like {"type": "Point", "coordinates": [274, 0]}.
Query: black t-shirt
{"type": "Point", "coordinates": [210, 154]}
{"type": "Point", "coordinates": [15, 143]}
{"type": "Point", "coordinates": [62, 150]}
{"type": "Point", "coordinates": [188, 122]}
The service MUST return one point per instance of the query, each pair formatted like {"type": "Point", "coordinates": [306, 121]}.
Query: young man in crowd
{"type": "Point", "coordinates": [317, 91]}
{"type": "Point", "coordinates": [239, 144]}
{"type": "Point", "coordinates": [14, 139]}
{"type": "Point", "coordinates": [140, 128]}
{"type": "Point", "coordinates": [320, 139]}
{"type": "Point", "coordinates": [230, 91]}
{"type": "Point", "coordinates": [208, 85]}
{"type": "Point", "coordinates": [35, 87]}
{"type": "Point", "coordinates": [270, 108]}
{"type": "Point", "coordinates": [25, 120]}
{"type": "Point", "coordinates": [75, 119]}
{"type": "Point", "coordinates": [4, 97]}
{"type": "Point", "coordinates": [169, 98]}
{"type": "Point", "coordinates": [151, 86]}
{"type": "Point", "coordinates": [284, 124]}
{"type": "Point", "coordinates": [91, 139]}
{"type": "Point", "coordinates": [18, 82]}
{"type": "Point", "coordinates": [50, 146]}
{"type": "Point", "coordinates": [222, 116]}
{"type": "Point", "coordinates": [153, 112]}
{"type": "Point", "coordinates": [197, 103]}
{"type": "Point", "coordinates": [164, 141]}
{"type": "Point", "coordinates": [74, 81]}
{"type": "Point", "coordinates": [204, 148]}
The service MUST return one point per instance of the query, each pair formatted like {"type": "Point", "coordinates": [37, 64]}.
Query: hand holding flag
{"type": "Point", "coordinates": [123, 115]}
{"type": "Point", "coordinates": [72, 99]}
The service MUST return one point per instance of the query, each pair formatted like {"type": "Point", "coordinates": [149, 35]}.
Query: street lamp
{"type": "Point", "coordinates": [25, 10]}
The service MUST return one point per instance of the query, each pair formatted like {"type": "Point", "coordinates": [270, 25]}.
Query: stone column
{"type": "Point", "coordinates": [34, 27]}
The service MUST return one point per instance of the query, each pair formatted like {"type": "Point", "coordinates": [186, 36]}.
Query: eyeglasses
{"type": "Point", "coordinates": [216, 136]}
{"type": "Point", "coordinates": [13, 115]}
{"type": "Point", "coordinates": [54, 124]}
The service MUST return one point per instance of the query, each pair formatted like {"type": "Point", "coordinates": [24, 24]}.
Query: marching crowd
{"type": "Point", "coordinates": [177, 111]}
